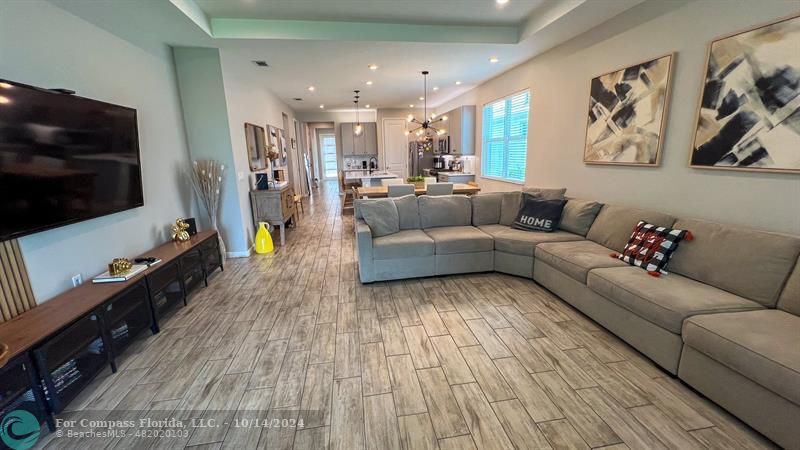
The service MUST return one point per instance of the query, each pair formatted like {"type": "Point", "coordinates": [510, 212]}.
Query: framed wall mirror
{"type": "Point", "coordinates": [256, 142]}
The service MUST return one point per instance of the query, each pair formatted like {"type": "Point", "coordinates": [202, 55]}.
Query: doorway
{"type": "Point", "coordinates": [395, 146]}
{"type": "Point", "coordinates": [327, 150]}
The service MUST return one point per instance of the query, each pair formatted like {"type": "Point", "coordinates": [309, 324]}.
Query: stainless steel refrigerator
{"type": "Point", "coordinates": [420, 156]}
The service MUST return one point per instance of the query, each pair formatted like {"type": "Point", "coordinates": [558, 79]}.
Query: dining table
{"type": "Point", "coordinates": [383, 191]}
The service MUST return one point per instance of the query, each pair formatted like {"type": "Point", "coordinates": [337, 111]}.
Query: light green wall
{"type": "Point", "coordinates": [205, 113]}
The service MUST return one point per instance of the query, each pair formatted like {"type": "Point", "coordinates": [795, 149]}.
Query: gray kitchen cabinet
{"type": "Point", "coordinates": [366, 144]}
{"type": "Point", "coordinates": [461, 130]}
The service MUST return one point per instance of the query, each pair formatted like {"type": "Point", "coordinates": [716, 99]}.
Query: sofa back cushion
{"type": "Point", "coordinates": [579, 215]}
{"type": "Point", "coordinates": [789, 300]}
{"type": "Point", "coordinates": [486, 208]}
{"type": "Point", "coordinates": [509, 207]}
{"type": "Point", "coordinates": [614, 224]}
{"type": "Point", "coordinates": [546, 193]}
{"type": "Point", "coordinates": [445, 211]}
{"type": "Point", "coordinates": [408, 210]}
{"type": "Point", "coordinates": [752, 264]}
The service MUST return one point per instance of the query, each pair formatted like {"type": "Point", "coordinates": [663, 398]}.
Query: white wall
{"type": "Point", "coordinates": [249, 100]}
{"type": "Point", "coordinates": [43, 45]}
{"type": "Point", "coordinates": [559, 84]}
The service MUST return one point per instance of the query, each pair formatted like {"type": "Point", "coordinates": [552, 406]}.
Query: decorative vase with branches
{"type": "Point", "coordinates": [206, 176]}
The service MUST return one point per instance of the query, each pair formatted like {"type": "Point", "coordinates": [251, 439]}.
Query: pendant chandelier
{"type": "Point", "coordinates": [358, 130]}
{"type": "Point", "coordinates": [426, 128]}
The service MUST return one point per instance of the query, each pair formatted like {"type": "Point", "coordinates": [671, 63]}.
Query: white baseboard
{"type": "Point", "coordinates": [245, 254]}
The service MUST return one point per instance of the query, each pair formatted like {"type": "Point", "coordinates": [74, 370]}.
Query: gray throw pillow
{"type": "Point", "coordinates": [546, 193]}
{"type": "Point", "coordinates": [579, 215]}
{"type": "Point", "coordinates": [408, 210]}
{"type": "Point", "coordinates": [381, 216]}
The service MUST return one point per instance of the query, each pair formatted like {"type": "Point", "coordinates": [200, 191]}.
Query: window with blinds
{"type": "Point", "coordinates": [505, 137]}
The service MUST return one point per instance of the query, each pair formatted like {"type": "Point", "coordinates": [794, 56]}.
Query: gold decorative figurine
{"type": "Point", "coordinates": [179, 233]}
{"type": "Point", "coordinates": [119, 266]}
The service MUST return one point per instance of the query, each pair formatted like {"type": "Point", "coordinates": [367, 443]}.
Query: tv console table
{"type": "Point", "coordinates": [58, 347]}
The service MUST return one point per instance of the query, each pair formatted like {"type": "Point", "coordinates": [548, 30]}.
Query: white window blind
{"type": "Point", "coordinates": [505, 137]}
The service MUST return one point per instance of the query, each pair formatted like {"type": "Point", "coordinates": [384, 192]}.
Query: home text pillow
{"type": "Point", "coordinates": [650, 247]}
{"type": "Point", "coordinates": [381, 216]}
{"type": "Point", "coordinates": [536, 214]}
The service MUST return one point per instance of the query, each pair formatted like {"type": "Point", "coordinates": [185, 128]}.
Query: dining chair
{"type": "Point", "coordinates": [440, 189]}
{"type": "Point", "coordinates": [429, 180]}
{"type": "Point", "coordinates": [399, 190]}
{"type": "Point", "coordinates": [390, 181]}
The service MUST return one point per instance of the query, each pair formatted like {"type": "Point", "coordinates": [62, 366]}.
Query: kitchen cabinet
{"type": "Point", "coordinates": [455, 177]}
{"type": "Point", "coordinates": [461, 130]}
{"type": "Point", "coordinates": [366, 144]}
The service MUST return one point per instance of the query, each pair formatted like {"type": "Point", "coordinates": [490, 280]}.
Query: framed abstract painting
{"type": "Point", "coordinates": [627, 114]}
{"type": "Point", "coordinates": [748, 116]}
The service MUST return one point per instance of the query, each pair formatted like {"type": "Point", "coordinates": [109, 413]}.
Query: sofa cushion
{"type": "Point", "coordinates": [576, 258]}
{"type": "Point", "coordinates": [761, 345]}
{"type": "Point", "coordinates": [546, 193]}
{"type": "Point", "coordinates": [510, 207]}
{"type": "Point", "coordinates": [451, 240]}
{"type": "Point", "coordinates": [445, 211]}
{"type": "Point", "coordinates": [614, 224]}
{"type": "Point", "coordinates": [381, 216]}
{"type": "Point", "coordinates": [486, 208]}
{"type": "Point", "coordinates": [750, 263]}
{"type": "Point", "coordinates": [665, 301]}
{"type": "Point", "coordinates": [519, 242]}
{"type": "Point", "coordinates": [579, 215]}
{"type": "Point", "coordinates": [408, 210]}
{"type": "Point", "coordinates": [789, 300]}
{"type": "Point", "coordinates": [404, 244]}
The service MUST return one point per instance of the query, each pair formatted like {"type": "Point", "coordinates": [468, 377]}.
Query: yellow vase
{"type": "Point", "coordinates": [263, 239]}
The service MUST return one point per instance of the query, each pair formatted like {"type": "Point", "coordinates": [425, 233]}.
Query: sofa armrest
{"type": "Point", "coordinates": [364, 251]}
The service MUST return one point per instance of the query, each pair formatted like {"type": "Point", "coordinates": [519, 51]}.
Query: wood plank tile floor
{"type": "Point", "coordinates": [484, 361]}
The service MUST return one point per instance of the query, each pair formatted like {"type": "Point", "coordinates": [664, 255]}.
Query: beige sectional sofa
{"type": "Point", "coordinates": [726, 320]}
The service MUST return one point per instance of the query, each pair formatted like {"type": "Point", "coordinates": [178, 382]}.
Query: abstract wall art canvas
{"type": "Point", "coordinates": [627, 112]}
{"type": "Point", "coordinates": [749, 112]}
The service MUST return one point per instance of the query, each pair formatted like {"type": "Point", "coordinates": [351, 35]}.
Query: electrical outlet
{"type": "Point", "coordinates": [77, 280]}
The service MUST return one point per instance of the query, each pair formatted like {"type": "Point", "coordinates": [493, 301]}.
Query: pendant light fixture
{"type": "Point", "coordinates": [426, 128]}
{"type": "Point", "coordinates": [358, 130]}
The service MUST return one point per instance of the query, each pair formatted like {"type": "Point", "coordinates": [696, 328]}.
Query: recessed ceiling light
{"type": "Point", "coordinates": [5, 85]}
{"type": "Point", "coordinates": [436, 88]}
{"type": "Point", "coordinates": [369, 83]}
{"type": "Point", "coordinates": [366, 106]}
{"type": "Point", "coordinates": [458, 83]}
{"type": "Point", "coordinates": [373, 67]}
{"type": "Point", "coordinates": [411, 106]}
{"type": "Point", "coordinates": [493, 60]}
{"type": "Point", "coordinates": [321, 106]}
{"type": "Point", "coordinates": [311, 88]}
{"type": "Point", "coordinates": [501, 2]}
{"type": "Point", "coordinates": [422, 98]}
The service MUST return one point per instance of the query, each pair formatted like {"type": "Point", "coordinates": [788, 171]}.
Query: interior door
{"type": "Point", "coordinates": [327, 145]}
{"type": "Point", "coordinates": [395, 146]}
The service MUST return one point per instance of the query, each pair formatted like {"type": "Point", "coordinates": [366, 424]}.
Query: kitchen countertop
{"type": "Point", "coordinates": [372, 176]}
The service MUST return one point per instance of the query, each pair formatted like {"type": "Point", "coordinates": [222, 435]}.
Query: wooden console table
{"type": "Point", "coordinates": [87, 327]}
{"type": "Point", "coordinates": [275, 206]}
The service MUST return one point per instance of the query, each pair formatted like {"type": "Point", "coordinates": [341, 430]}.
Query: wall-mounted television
{"type": "Point", "coordinates": [64, 159]}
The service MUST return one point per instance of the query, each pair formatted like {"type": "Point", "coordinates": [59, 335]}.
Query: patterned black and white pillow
{"type": "Point", "coordinates": [650, 247]}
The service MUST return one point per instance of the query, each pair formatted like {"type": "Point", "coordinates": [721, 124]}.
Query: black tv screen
{"type": "Point", "coordinates": [64, 159]}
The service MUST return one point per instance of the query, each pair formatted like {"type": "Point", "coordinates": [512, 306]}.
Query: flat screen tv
{"type": "Point", "coordinates": [64, 159]}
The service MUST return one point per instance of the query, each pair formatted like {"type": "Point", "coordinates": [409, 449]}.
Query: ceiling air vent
{"type": "Point", "coordinates": [297, 99]}
{"type": "Point", "coordinates": [261, 63]}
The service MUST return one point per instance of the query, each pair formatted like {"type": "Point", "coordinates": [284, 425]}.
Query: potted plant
{"type": "Point", "coordinates": [417, 181]}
